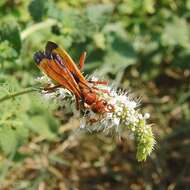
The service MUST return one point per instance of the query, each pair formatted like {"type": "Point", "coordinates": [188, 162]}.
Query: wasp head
{"type": "Point", "coordinates": [38, 56]}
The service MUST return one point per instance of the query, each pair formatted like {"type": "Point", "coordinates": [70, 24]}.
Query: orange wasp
{"type": "Point", "coordinates": [59, 66]}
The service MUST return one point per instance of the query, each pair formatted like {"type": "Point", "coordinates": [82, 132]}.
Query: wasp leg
{"type": "Point", "coordinates": [81, 61]}
{"type": "Point", "coordinates": [99, 82]}
{"type": "Point", "coordinates": [52, 88]}
{"type": "Point", "coordinates": [101, 90]}
{"type": "Point", "coordinates": [93, 120]}
{"type": "Point", "coordinates": [77, 103]}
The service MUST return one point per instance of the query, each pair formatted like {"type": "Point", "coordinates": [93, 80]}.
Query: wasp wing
{"type": "Point", "coordinates": [52, 48]}
{"type": "Point", "coordinates": [58, 72]}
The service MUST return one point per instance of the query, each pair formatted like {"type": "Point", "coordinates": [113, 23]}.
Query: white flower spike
{"type": "Point", "coordinates": [126, 115]}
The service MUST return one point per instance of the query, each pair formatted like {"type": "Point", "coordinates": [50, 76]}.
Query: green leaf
{"type": "Point", "coordinates": [176, 33]}
{"type": "Point", "coordinates": [8, 140]}
{"type": "Point", "coordinates": [2, 2]}
{"type": "Point", "coordinates": [37, 9]}
{"type": "Point", "coordinates": [188, 4]}
{"type": "Point", "coordinates": [9, 31]}
{"type": "Point", "coordinates": [149, 6]}
{"type": "Point", "coordinates": [54, 12]}
{"type": "Point", "coordinates": [122, 55]}
{"type": "Point", "coordinates": [7, 52]}
{"type": "Point", "coordinates": [22, 133]}
{"type": "Point", "coordinates": [99, 13]}
{"type": "Point", "coordinates": [41, 126]}
{"type": "Point", "coordinates": [99, 40]}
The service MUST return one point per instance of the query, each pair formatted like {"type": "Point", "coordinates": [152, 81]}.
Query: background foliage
{"type": "Point", "coordinates": [141, 45]}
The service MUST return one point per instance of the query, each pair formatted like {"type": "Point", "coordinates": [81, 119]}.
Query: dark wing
{"type": "Point", "coordinates": [56, 70]}
{"type": "Point", "coordinates": [53, 48]}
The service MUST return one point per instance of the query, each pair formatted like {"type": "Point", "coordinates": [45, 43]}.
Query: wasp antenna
{"type": "Point", "coordinates": [50, 46]}
{"type": "Point", "coordinates": [38, 56]}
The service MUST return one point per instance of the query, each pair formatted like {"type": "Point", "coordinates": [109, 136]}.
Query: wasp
{"type": "Point", "coordinates": [57, 64]}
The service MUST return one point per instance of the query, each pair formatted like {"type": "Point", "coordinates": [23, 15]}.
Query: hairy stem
{"type": "Point", "coordinates": [36, 27]}
{"type": "Point", "coordinates": [13, 95]}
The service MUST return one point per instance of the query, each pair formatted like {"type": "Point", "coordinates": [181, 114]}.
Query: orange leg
{"type": "Point", "coordinates": [81, 61]}
{"type": "Point", "coordinates": [99, 82]}
{"type": "Point", "coordinates": [101, 90]}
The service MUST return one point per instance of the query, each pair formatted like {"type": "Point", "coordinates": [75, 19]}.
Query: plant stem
{"type": "Point", "coordinates": [36, 27]}
{"type": "Point", "coordinates": [9, 96]}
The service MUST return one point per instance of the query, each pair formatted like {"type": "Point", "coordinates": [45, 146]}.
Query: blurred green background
{"type": "Point", "coordinates": [142, 46]}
